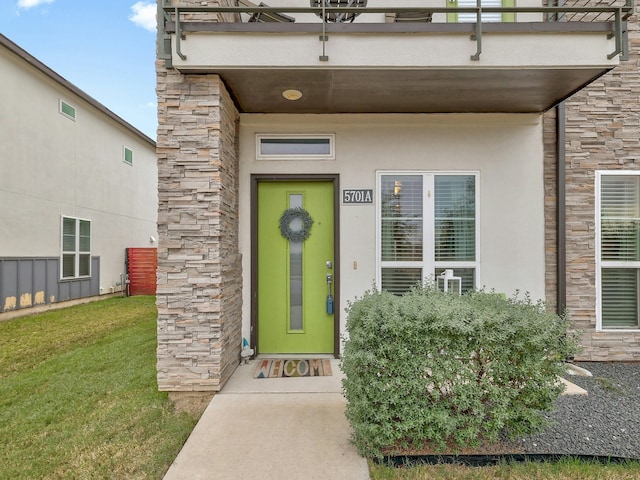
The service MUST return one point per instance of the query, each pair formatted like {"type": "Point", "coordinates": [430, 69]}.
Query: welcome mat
{"type": "Point", "coordinates": [278, 368]}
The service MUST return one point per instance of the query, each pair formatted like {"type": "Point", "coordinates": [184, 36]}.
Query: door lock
{"type": "Point", "coordinates": [329, 265]}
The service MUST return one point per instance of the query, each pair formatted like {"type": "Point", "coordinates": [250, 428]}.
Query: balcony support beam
{"type": "Point", "coordinates": [478, 34]}
{"type": "Point", "coordinates": [179, 36]}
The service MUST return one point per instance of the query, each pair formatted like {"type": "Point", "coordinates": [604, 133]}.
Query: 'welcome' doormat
{"type": "Point", "coordinates": [278, 367]}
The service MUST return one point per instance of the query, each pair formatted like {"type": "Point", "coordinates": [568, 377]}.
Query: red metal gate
{"type": "Point", "coordinates": [141, 267]}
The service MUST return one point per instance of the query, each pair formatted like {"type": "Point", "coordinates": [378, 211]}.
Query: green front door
{"type": "Point", "coordinates": [292, 284]}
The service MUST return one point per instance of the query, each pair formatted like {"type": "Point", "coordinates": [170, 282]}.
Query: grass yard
{"type": "Point", "coordinates": [565, 470]}
{"type": "Point", "coordinates": [78, 395]}
{"type": "Point", "coordinates": [79, 400]}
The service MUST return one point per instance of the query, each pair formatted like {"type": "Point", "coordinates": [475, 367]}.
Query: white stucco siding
{"type": "Point", "coordinates": [53, 166]}
{"type": "Point", "coordinates": [505, 150]}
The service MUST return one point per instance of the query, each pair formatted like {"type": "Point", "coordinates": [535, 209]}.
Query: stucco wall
{"type": "Point", "coordinates": [506, 150]}
{"type": "Point", "coordinates": [54, 166]}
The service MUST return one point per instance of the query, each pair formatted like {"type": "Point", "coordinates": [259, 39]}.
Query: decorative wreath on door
{"type": "Point", "coordinates": [303, 229]}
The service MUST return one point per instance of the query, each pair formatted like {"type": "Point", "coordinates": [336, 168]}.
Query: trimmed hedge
{"type": "Point", "coordinates": [449, 370]}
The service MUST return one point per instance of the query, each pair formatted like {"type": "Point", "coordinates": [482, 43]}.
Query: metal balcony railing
{"type": "Point", "coordinates": [608, 16]}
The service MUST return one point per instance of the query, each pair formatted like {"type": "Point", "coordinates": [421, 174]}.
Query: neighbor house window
{"type": "Point", "coordinates": [127, 156]}
{"type": "Point", "coordinates": [76, 248]}
{"type": "Point", "coordinates": [472, 17]}
{"type": "Point", "coordinates": [295, 147]}
{"type": "Point", "coordinates": [67, 110]}
{"type": "Point", "coordinates": [426, 223]}
{"type": "Point", "coordinates": [618, 237]}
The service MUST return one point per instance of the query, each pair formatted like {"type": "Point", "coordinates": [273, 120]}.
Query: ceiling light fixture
{"type": "Point", "coordinates": [292, 94]}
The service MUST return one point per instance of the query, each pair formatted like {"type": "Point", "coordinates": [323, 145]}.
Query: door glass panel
{"type": "Point", "coordinates": [295, 269]}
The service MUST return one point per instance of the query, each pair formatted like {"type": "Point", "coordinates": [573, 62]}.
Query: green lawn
{"type": "Point", "coordinates": [78, 395]}
{"type": "Point", "coordinates": [79, 400]}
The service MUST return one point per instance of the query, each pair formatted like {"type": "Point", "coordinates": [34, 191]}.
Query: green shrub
{"type": "Point", "coordinates": [449, 370]}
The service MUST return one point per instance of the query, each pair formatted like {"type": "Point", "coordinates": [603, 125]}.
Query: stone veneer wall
{"type": "Point", "coordinates": [199, 294]}
{"type": "Point", "coordinates": [550, 209]}
{"type": "Point", "coordinates": [603, 133]}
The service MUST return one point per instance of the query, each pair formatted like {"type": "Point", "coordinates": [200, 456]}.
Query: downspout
{"type": "Point", "coordinates": [561, 209]}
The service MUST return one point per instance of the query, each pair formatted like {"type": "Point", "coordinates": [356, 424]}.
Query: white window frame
{"type": "Point", "coordinates": [600, 264]}
{"type": "Point", "coordinates": [65, 114]}
{"type": "Point", "coordinates": [294, 156]}
{"type": "Point", "coordinates": [76, 252]}
{"type": "Point", "coordinates": [124, 155]}
{"type": "Point", "coordinates": [428, 263]}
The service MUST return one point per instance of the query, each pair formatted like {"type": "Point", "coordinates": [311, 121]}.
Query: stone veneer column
{"type": "Point", "coordinates": [550, 209]}
{"type": "Point", "coordinates": [603, 133]}
{"type": "Point", "coordinates": [199, 294]}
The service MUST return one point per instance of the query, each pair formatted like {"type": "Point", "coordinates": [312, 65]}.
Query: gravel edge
{"type": "Point", "coordinates": [606, 422]}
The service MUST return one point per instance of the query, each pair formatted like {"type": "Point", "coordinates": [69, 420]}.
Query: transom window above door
{"type": "Point", "coordinates": [295, 147]}
{"type": "Point", "coordinates": [427, 223]}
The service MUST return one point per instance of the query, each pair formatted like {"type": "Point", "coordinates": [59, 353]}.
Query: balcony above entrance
{"type": "Point", "coordinates": [397, 56]}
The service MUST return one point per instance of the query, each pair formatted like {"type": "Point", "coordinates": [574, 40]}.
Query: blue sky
{"type": "Point", "coordinates": [105, 48]}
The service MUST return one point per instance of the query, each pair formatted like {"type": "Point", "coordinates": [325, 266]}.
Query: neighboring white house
{"type": "Point", "coordinates": [78, 185]}
{"type": "Point", "coordinates": [403, 148]}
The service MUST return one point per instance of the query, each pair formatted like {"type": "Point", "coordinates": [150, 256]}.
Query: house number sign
{"type": "Point", "coordinates": [354, 196]}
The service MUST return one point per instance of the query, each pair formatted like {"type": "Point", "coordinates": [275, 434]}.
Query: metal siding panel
{"type": "Point", "coordinates": [64, 289]}
{"type": "Point", "coordinates": [9, 294]}
{"type": "Point", "coordinates": [74, 290]}
{"type": "Point", "coordinates": [53, 273]}
{"type": "Point", "coordinates": [39, 281]}
{"type": "Point", "coordinates": [85, 288]}
{"type": "Point", "coordinates": [25, 282]}
{"type": "Point", "coordinates": [94, 288]}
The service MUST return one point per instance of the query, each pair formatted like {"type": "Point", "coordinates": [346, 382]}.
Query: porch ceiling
{"type": "Point", "coordinates": [405, 91]}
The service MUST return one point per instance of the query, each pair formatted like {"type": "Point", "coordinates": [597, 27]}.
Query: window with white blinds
{"type": "Point", "coordinates": [455, 217]}
{"type": "Point", "coordinates": [619, 249]}
{"type": "Point", "coordinates": [486, 16]}
{"type": "Point", "coordinates": [427, 223]}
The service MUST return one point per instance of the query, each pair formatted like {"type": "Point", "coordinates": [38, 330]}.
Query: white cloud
{"type": "Point", "coordinates": [143, 14]}
{"type": "Point", "coordinates": [32, 3]}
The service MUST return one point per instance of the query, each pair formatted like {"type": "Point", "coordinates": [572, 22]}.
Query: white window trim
{"type": "Point", "coordinates": [599, 263]}
{"type": "Point", "coordinates": [77, 247]}
{"type": "Point", "coordinates": [124, 155]}
{"type": "Point", "coordinates": [428, 264]}
{"type": "Point", "coordinates": [61, 112]}
{"type": "Point", "coordinates": [326, 136]}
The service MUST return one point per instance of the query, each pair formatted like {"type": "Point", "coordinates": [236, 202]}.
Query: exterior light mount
{"type": "Point", "coordinates": [292, 94]}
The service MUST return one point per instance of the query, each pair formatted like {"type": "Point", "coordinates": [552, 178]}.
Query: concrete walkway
{"type": "Point", "coordinates": [276, 428]}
